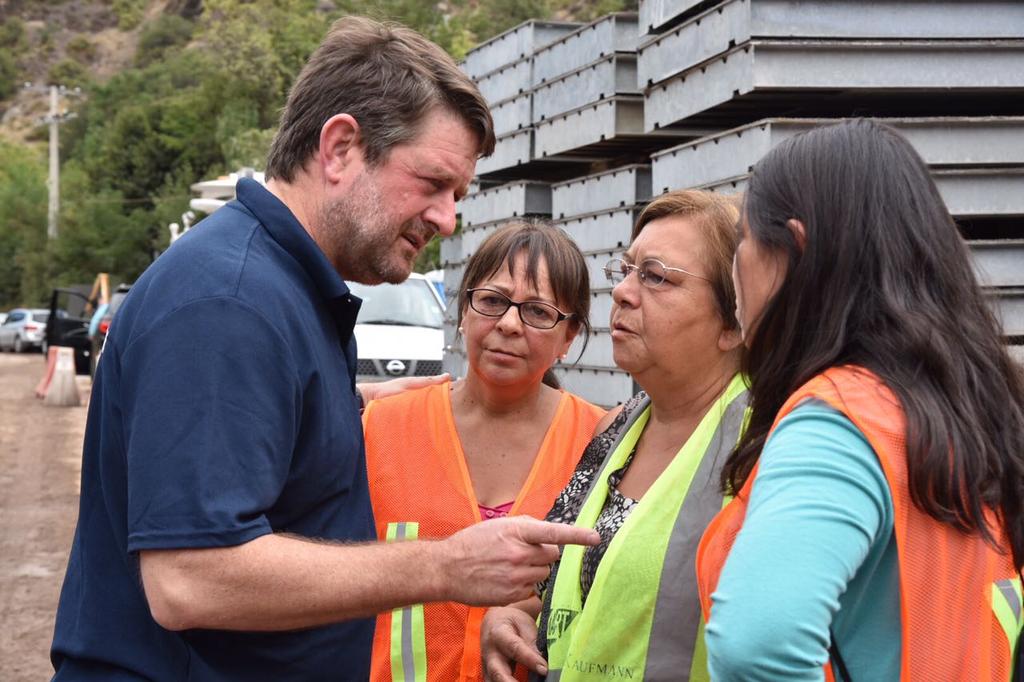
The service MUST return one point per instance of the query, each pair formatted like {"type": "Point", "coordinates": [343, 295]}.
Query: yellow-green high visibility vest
{"type": "Point", "coordinates": [642, 619]}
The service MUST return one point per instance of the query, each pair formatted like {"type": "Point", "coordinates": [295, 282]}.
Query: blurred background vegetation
{"type": "Point", "coordinates": [172, 92]}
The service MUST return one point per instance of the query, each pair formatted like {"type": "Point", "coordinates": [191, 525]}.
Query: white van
{"type": "Point", "coordinates": [398, 330]}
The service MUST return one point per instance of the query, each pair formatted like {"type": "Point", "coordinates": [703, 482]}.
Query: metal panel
{"type": "Point", "coordinates": [598, 352]}
{"type": "Point", "coordinates": [508, 81]}
{"type": "Point", "coordinates": [940, 142]}
{"type": "Point", "coordinates": [452, 276]}
{"type": "Point", "coordinates": [510, 150]}
{"type": "Point", "coordinates": [975, 192]}
{"type": "Point", "coordinates": [982, 192]}
{"type": "Point", "coordinates": [766, 67]}
{"type": "Point", "coordinates": [601, 308]}
{"type": "Point", "coordinates": [1009, 308]}
{"type": "Point", "coordinates": [512, 114]}
{"type": "Point", "coordinates": [451, 250]}
{"type": "Point", "coordinates": [1017, 353]}
{"type": "Point", "coordinates": [999, 263]}
{"type": "Point", "coordinates": [616, 188]}
{"type": "Point", "coordinates": [602, 230]}
{"type": "Point", "coordinates": [516, 199]}
{"type": "Point", "coordinates": [610, 33]}
{"type": "Point", "coordinates": [656, 13]}
{"type": "Point", "coordinates": [454, 362]}
{"type": "Point", "coordinates": [614, 124]}
{"type": "Point", "coordinates": [605, 387]}
{"type": "Point", "coordinates": [736, 21]}
{"type": "Point", "coordinates": [614, 75]}
{"type": "Point", "coordinates": [512, 45]}
{"type": "Point", "coordinates": [595, 266]}
{"type": "Point", "coordinates": [473, 237]}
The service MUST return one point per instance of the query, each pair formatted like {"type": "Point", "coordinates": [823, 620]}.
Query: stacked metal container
{"type": "Point", "coordinates": [948, 74]}
{"type": "Point", "coordinates": [720, 82]}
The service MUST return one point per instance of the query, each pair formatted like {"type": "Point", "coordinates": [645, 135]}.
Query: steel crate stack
{"type": "Point", "coordinates": [503, 70]}
{"type": "Point", "coordinates": [587, 103]}
{"type": "Point", "coordinates": [742, 60]}
{"type": "Point", "coordinates": [977, 164]}
{"type": "Point", "coordinates": [598, 211]}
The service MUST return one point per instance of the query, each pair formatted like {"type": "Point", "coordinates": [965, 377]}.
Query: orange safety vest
{"type": "Point", "coordinates": [420, 487]}
{"type": "Point", "coordinates": [960, 599]}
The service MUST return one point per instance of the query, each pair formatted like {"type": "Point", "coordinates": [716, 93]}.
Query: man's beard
{"type": "Point", "coordinates": [358, 236]}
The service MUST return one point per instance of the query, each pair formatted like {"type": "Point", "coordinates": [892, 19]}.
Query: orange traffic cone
{"type": "Point", "coordinates": [63, 391]}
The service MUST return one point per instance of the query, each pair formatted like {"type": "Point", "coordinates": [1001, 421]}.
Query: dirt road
{"type": "Point", "coordinates": [40, 460]}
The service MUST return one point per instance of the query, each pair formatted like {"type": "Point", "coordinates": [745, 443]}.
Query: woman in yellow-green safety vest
{"type": "Point", "coordinates": [628, 608]}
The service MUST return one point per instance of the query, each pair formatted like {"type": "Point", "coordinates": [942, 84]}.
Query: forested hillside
{"type": "Point", "coordinates": [172, 92]}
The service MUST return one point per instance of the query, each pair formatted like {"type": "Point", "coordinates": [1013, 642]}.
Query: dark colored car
{"type": "Point", "coordinates": [99, 335]}
{"type": "Point", "coordinates": [68, 325]}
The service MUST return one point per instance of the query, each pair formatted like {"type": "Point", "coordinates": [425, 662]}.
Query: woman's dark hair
{"type": "Point", "coordinates": [884, 281]}
{"type": "Point", "coordinates": [536, 240]}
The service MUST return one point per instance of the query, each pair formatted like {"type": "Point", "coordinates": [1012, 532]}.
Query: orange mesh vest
{"type": "Point", "coordinates": [959, 598]}
{"type": "Point", "coordinates": [420, 487]}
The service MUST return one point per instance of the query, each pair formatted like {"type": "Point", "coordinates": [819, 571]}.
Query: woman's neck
{"type": "Point", "coordinates": [475, 394]}
{"type": "Point", "coordinates": [685, 400]}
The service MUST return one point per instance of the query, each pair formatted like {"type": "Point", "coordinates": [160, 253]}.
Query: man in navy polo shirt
{"type": "Point", "coordinates": [225, 529]}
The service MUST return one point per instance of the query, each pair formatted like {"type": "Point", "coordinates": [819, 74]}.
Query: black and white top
{"type": "Point", "coordinates": [569, 502]}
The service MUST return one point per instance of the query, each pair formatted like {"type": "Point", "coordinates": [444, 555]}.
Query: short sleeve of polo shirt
{"type": "Point", "coordinates": [211, 404]}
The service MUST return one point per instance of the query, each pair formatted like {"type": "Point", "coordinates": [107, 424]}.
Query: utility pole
{"type": "Point", "coordinates": [54, 119]}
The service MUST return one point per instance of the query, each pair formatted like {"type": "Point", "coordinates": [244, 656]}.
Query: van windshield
{"type": "Point", "coordinates": [409, 304]}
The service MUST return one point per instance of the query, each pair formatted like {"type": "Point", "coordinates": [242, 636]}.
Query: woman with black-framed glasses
{"type": "Point", "coordinates": [503, 440]}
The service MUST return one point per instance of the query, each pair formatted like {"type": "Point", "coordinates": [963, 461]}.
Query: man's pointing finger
{"type": "Point", "coordinates": [545, 533]}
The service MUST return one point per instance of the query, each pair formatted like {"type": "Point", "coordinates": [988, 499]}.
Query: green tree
{"type": "Point", "coordinates": [8, 73]}
{"type": "Point", "coordinates": [23, 206]}
{"type": "Point", "coordinates": [168, 31]}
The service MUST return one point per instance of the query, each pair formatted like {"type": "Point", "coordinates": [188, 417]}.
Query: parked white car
{"type": "Point", "coordinates": [24, 329]}
{"type": "Point", "coordinates": [399, 329]}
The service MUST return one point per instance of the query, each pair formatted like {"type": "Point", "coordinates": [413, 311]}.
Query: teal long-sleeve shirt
{"type": "Point", "coordinates": [817, 550]}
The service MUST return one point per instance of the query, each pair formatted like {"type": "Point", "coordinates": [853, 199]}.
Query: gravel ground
{"type": "Point", "coordinates": [40, 464]}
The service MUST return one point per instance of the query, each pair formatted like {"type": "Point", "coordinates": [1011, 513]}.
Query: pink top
{"type": "Point", "coordinates": [495, 512]}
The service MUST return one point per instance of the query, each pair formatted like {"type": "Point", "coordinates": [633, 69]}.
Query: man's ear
{"type": "Point", "coordinates": [339, 146]}
{"type": "Point", "coordinates": [799, 233]}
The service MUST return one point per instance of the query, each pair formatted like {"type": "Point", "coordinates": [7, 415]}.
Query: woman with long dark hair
{"type": "Point", "coordinates": [878, 524]}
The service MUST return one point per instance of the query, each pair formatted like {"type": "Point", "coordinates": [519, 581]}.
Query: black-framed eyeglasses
{"type": "Point", "coordinates": [537, 314]}
{"type": "Point", "coordinates": [650, 271]}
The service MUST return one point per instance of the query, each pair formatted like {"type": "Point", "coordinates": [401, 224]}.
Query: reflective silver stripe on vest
{"type": "Point", "coordinates": [677, 614]}
{"type": "Point", "coordinates": [1012, 598]}
{"type": "Point", "coordinates": [408, 662]}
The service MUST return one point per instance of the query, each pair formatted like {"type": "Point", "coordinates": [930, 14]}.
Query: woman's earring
{"type": "Point", "coordinates": [461, 330]}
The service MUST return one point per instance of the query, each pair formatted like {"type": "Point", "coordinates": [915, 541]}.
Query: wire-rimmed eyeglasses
{"type": "Point", "coordinates": [650, 271]}
{"type": "Point", "coordinates": [537, 314]}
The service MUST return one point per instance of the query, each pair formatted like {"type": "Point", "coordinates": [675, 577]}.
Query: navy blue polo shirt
{"type": "Point", "coordinates": [223, 410]}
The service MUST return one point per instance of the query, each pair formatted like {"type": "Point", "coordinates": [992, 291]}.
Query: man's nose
{"type": "Point", "coordinates": [441, 215]}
